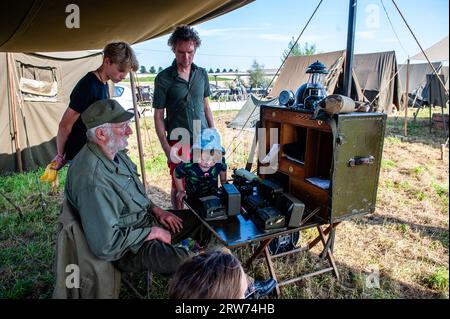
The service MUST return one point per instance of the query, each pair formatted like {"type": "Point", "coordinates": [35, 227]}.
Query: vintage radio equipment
{"type": "Point", "coordinates": [269, 190]}
{"type": "Point", "coordinates": [232, 199]}
{"type": "Point", "coordinates": [292, 208]}
{"type": "Point", "coordinates": [244, 181]}
{"type": "Point", "coordinates": [212, 208]}
{"type": "Point", "coordinates": [253, 202]}
{"type": "Point", "coordinates": [268, 219]}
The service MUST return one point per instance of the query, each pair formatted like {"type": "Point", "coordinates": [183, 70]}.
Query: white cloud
{"type": "Point", "coordinates": [224, 32]}
{"type": "Point", "coordinates": [366, 34]}
{"type": "Point", "coordinates": [274, 37]}
{"type": "Point", "coordinates": [287, 38]}
{"type": "Point", "coordinates": [255, 33]}
{"type": "Point", "coordinates": [388, 40]}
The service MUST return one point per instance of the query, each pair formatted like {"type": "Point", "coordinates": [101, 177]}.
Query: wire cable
{"type": "Point", "coordinates": [421, 49]}
{"type": "Point", "coordinates": [273, 78]}
{"type": "Point", "coordinates": [393, 29]}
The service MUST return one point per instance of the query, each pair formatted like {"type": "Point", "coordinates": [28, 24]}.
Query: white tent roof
{"type": "Point", "coordinates": [437, 52]}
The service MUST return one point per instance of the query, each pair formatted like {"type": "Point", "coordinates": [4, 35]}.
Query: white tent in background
{"type": "Point", "coordinates": [437, 52]}
{"type": "Point", "coordinates": [436, 90]}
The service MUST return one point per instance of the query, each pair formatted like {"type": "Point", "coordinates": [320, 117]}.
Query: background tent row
{"type": "Point", "coordinates": [419, 83]}
{"type": "Point", "coordinates": [374, 79]}
{"type": "Point", "coordinates": [424, 86]}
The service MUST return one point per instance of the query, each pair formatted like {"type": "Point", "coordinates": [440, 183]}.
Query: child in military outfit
{"type": "Point", "coordinates": [202, 174]}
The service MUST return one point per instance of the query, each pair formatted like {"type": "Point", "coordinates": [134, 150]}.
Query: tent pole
{"type": "Point", "coordinates": [407, 98]}
{"type": "Point", "coordinates": [138, 130]}
{"type": "Point", "coordinates": [350, 46]}
{"type": "Point", "coordinates": [431, 106]}
{"type": "Point", "coordinates": [13, 106]}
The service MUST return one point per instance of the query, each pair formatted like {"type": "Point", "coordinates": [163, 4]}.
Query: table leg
{"type": "Point", "coordinates": [327, 245]}
{"type": "Point", "coordinates": [258, 252]}
{"type": "Point", "coordinates": [332, 263]}
{"type": "Point", "coordinates": [319, 238]}
{"type": "Point", "coordinates": [271, 269]}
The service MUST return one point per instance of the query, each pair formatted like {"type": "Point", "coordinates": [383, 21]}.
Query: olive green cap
{"type": "Point", "coordinates": [104, 111]}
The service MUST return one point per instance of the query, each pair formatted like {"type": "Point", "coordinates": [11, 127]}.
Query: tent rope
{"type": "Point", "coordinates": [273, 78]}
{"type": "Point", "coordinates": [393, 29]}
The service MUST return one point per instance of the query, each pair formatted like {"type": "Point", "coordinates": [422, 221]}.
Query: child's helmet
{"type": "Point", "coordinates": [209, 139]}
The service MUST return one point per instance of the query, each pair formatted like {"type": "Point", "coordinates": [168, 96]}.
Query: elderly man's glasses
{"type": "Point", "coordinates": [122, 126]}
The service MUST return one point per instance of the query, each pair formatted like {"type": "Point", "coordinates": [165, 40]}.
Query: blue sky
{"type": "Point", "coordinates": [263, 29]}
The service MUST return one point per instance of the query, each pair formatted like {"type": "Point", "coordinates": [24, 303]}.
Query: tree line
{"type": "Point", "coordinates": [257, 78]}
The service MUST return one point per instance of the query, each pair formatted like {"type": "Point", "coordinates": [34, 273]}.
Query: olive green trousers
{"type": "Point", "coordinates": [162, 258]}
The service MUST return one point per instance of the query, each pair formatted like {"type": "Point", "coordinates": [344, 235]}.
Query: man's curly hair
{"type": "Point", "coordinates": [184, 33]}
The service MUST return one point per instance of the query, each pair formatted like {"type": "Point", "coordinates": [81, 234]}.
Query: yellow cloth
{"type": "Point", "coordinates": [51, 175]}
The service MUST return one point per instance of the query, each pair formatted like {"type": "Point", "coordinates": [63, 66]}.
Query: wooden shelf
{"type": "Point", "coordinates": [291, 168]}
{"type": "Point", "coordinates": [295, 118]}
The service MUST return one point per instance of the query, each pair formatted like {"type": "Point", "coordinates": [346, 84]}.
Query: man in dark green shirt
{"type": "Point", "coordinates": [120, 223]}
{"type": "Point", "coordinates": [182, 90]}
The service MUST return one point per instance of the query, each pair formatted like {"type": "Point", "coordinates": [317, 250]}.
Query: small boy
{"type": "Point", "coordinates": [201, 176]}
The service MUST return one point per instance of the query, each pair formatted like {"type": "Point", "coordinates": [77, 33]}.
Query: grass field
{"type": "Point", "coordinates": [405, 240]}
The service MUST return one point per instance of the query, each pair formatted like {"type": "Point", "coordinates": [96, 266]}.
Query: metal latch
{"type": "Point", "coordinates": [359, 160]}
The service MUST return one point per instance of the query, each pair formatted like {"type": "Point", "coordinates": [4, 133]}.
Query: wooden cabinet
{"type": "Point", "coordinates": [335, 170]}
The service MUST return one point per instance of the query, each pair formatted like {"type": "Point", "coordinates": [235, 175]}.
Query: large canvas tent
{"type": "Point", "coordinates": [50, 25]}
{"type": "Point", "coordinates": [377, 76]}
{"type": "Point", "coordinates": [292, 75]}
{"type": "Point", "coordinates": [41, 86]}
{"type": "Point", "coordinates": [418, 86]}
{"type": "Point", "coordinates": [47, 26]}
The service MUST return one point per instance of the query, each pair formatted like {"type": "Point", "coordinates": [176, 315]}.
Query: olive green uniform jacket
{"type": "Point", "coordinates": [111, 201]}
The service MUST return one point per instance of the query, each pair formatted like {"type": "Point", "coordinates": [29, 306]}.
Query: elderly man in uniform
{"type": "Point", "coordinates": [120, 222]}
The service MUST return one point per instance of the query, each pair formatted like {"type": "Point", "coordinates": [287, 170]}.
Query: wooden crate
{"type": "Point", "coordinates": [439, 119]}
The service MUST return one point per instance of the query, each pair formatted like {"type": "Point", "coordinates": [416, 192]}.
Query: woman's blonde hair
{"type": "Point", "coordinates": [215, 274]}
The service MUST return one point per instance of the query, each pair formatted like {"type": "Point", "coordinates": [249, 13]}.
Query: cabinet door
{"type": "Point", "coordinates": [357, 159]}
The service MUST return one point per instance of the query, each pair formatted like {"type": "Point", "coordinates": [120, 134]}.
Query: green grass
{"type": "Point", "coordinates": [403, 227]}
{"type": "Point", "coordinates": [404, 185]}
{"type": "Point", "coordinates": [440, 189]}
{"type": "Point", "coordinates": [387, 164]}
{"type": "Point", "coordinates": [392, 140]}
{"type": "Point", "coordinates": [418, 170]}
{"type": "Point", "coordinates": [438, 280]}
{"type": "Point", "coordinates": [156, 164]}
{"type": "Point", "coordinates": [420, 195]}
{"type": "Point", "coordinates": [27, 242]}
